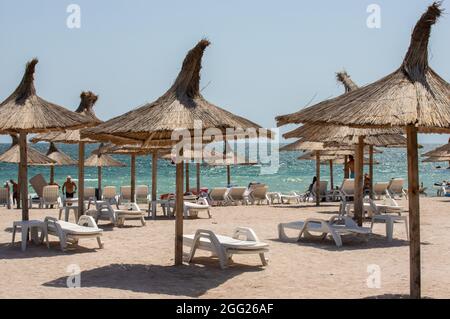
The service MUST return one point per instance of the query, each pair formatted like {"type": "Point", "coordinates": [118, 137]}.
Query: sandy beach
{"type": "Point", "coordinates": [136, 262]}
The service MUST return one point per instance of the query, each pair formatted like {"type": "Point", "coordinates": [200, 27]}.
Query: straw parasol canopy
{"type": "Point", "coordinates": [330, 156]}
{"type": "Point", "coordinates": [181, 107]}
{"type": "Point", "coordinates": [25, 112]}
{"type": "Point", "coordinates": [86, 110]}
{"type": "Point", "coordinates": [414, 97]}
{"type": "Point", "coordinates": [60, 158]}
{"type": "Point", "coordinates": [443, 150]}
{"type": "Point", "coordinates": [437, 159]}
{"type": "Point", "coordinates": [34, 157]}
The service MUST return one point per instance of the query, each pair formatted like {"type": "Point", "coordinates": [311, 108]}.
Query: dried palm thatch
{"type": "Point", "coordinates": [436, 159]}
{"type": "Point", "coordinates": [346, 135]}
{"type": "Point", "coordinates": [337, 158]}
{"type": "Point", "coordinates": [86, 110]}
{"type": "Point", "coordinates": [443, 150]}
{"type": "Point", "coordinates": [179, 108]}
{"type": "Point", "coordinates": [25, 111]}
{"type": "Point", "coordinates": [34, 157]}
{"type": "Point", "coordinates": [60, 158]}
{"type": "Point", "coordinates": [412, 95]}
{"type": "Point", "coordinates": [102, 160]}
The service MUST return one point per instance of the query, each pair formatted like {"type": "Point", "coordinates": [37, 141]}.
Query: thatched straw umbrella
{"type": "Point", "coordinates": [25, 112]}
{"type": "Point", "coordinates": [437, 159]}
{"type": "Point", "coordinates": [391, 137]}
{"type": "Point", "coordinates": [414, 97]}
{"type": "Point", "coordinates": [443, 150]}
{"type": "Point", "coordinates": [34, 158]}
{"type": "Point", "coordinates": [60, 158]}
{"type": "Point", "coordinates": [86, 111]}
{"type": "Point", "coordinates": [99, 159]}
{"type": "Point", "coordinates": [182, 106]}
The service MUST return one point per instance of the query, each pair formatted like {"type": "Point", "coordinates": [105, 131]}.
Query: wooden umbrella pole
{"type": "Point", "coordinates": [99, 182]}
{"type": "Point", "coordinates": [359, 172]}
{"type": "Point", "coordinates": [318, 178]}
{"type": "Point", "coordinates": [331, 175]}
{"type": "Point", "coordinates": [133, 178]}
{"type": "Point", "coordinates": [52, 174]}
{"type": "Point", "coordinates": [198, 178]}
{"type": "Point", "coordinates": [414, 212]}
{"type": "Point", "coordinates": [20, 191]}
{"type": "Point", "coordinates": [346, 175]}
{"type": "Point", "coordinates": [187, 177]}
{"type": "Point", "coordinates": [179, 214]}
{"type": "Point", "coordinates": [23, 175]}
{"type": "Point", "coordinates": [80, 179]}
{"type": "Point", "coordinates": [154, 184]}
{"type": "Point", "coordinates": [371, 170]}
{"type": "Point", "coordinates": [228, 175]}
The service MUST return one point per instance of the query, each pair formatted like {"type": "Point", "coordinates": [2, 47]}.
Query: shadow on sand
{"type": "Point", "coordinates": [186, 280]}
{"type": "Point", "coordinates": [350, 242]}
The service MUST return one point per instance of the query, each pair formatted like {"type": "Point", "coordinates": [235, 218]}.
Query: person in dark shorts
{"type": "Point", "coordinates": [16, 193]}
{"type": "Point", "coordinates": [69, 188]}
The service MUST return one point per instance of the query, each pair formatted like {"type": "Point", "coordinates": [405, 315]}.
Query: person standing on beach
{"type": "Point", "coordinates": [16, 194]}
{"type": "Point", "coordinates": [69, 187]}
{"type": "Point", "coordinates": [351, 166]}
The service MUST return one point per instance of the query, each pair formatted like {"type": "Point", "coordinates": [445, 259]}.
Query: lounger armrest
{"type": "Point", "coordinates": [87, 221]}
{"type": "Point", "coordinates": [248, 233]}
{"type": "Point", "coordinates": [203, 201]}
{"type": "Point", "coordinates": [133, 207]}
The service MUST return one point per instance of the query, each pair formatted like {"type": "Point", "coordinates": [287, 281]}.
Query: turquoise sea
{"type": "Point", "coordinates": [293, 175]}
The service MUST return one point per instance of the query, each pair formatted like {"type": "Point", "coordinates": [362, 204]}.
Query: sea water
{"type": "Point", "coordinates": [292, 175]}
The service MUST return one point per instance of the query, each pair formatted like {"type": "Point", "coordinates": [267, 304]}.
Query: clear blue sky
{"type": "Point", "coordinates": [267, 57]}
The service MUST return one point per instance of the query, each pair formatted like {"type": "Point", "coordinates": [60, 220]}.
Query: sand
{"type": "Point", "coordinates": [136, 262]}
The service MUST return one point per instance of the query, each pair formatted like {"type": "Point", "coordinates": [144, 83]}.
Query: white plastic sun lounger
{"type": "Point", "coordinates": [380, 190]}
{"type": "Point", "coordinates": [192, 209]}
{"type": "Point", "coordinates": [395, 188]}
{"type": "Point", "coordinates": [236, 196]}
{"type": "Point", "coordinates": [72, 233]}
{"type": "Point", "coordinates": [104, 211]}
{"type": "Point", "coordinates": [336, 226]}
{"type": "Point", "coordinates": [389, 213]}
{"type": "Point", "coordinates": [5, 197]}
{"type": "Point", "coordinates": [218, 196]}
{"type": "Point", "coordinates": [258, 194]}
{"type": "Point", "coordinates": [225, 247]}
{"type": "Point", "coordinates": [292, 197]}
{"type": "Point", "coordinates": [347, 189]}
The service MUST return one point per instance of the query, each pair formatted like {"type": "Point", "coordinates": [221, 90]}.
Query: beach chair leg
{"type": "Point", "coordinates": [263, 259]}
{"type": "Point", "coordinates": [209, 213]}
{"type": "Point", "coordinates": [99, 241]}
{"type": "Point", "coordinates": [13, 235]}
{"type": "Point", "coordinates": [406, 228]}
{"type": "Point", "coordinates": [281, 233]}
{"type": "Point", "coordinates": [143, 221]}
{"type": "Point", "coordinates": [336, 237]}
{"type": "Point", "coordinates": [389, 229]}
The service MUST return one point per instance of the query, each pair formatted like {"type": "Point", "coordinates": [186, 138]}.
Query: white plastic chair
{"type": "Point", "coordinates": [50, 197]}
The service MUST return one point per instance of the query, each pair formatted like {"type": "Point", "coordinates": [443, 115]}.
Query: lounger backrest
{"type": "Point", "coordinates": [38, 182]}
{"type": "Point", "coordinates": [218, 193]}
{"type": "Point", "coordinates": [396, 185]}
{"type": "Point", "coordinates": [142, 191]}
{"type": "Point", "coordinates": [125, 192]}
{"type": "Point", "coordinates": [4, 196]}
{"type": "Point", "coordinates": [50, 193]}
{"type": "Point", "coordinates": [259, 192]}
{"type": "Point", "coordinates": [323, 187]}
{"type": "Point", "coordinates": [348, 187]}
{"type": "Point", "coordinates": [109, 192]}
{"type": "Point", "coordinates": [237, 192]}
{"type": "Point", "coordinates": [89, 192]}
{"type": "Point", "coordinates": [380, 188]}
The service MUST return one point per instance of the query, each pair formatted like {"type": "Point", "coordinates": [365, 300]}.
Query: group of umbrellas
{"type": "Point", "coordinates": [413, 99]}
{"type": "Point", "coordinates": [410, 100]}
